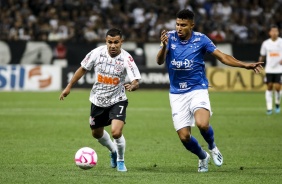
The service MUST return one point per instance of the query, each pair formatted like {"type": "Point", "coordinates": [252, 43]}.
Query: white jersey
{"type": "Point", "coordinates": [273, 52]}
{"type": "Point", "coordinates": [110, 74]}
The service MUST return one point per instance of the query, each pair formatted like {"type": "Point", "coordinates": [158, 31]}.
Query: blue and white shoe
{"type": "Point", "coordinates": [216, 156]}
{"type": "Point", "coordinates": [277, 110]}
{"type": "Point", "coordinates": [204, 164]}
{"type": "Point", "coordinates": [269, 112]}
{"type": "Point", "coordinates": [120, 166]}
{"type": "Point", "coordinates": [113, 159]}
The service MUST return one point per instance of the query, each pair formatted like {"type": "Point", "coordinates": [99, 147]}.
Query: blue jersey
{"type": "Point", "coordinates": [185, 62]}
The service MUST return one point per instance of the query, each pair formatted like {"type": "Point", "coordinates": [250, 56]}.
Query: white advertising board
{"type": "Point", "coordinates": [30, 77]}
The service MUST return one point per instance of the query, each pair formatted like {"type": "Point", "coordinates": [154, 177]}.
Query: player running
{"type": "Point", "coordinates": [271, 49]}
{"type": "Point", "coordinates": [108, 100]}
{"type": "Point", "coordinates": [183, 51]}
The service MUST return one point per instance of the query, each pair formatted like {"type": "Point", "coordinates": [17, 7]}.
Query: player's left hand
{"type": "Point", "coordinates": [132, 86]}
{"type": "Point", "coordinates": [129, 87]}
{"type": "Point", "coordinates": [257, 67]}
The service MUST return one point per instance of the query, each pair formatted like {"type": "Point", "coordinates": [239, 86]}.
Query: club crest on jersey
{"type": "Point", "coordinates": [118, 67]}
{"type": "Point", "coordinates": [173, 46]}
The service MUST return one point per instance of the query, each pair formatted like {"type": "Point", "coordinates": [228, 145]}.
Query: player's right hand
{"type": "Point", "coordinates": [64, 94]}
{"type": "Point", "coordinates": [164, 38]}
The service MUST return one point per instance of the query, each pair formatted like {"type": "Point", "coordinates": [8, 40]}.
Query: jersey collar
{"type": "Point", "coordinates": [183, 42]}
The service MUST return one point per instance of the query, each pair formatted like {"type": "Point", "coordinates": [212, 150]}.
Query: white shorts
{"type": "Point", "coordinates": [183, 107]}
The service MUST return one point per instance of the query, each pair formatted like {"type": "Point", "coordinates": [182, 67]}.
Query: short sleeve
{"type": "Point", "coordinates": [209, 45]}
{"type": "Point", "coordinates": [89, 60]}
{"type": "Point", "coordinates": [131, 69]}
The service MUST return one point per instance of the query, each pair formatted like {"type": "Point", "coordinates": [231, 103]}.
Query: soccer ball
{"type": "Point", "coordinates": [86, 158]}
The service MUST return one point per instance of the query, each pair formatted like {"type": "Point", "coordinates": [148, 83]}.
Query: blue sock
{"type": "Point", "coordinates": [195, 148]}
{"type": "Point", "coordinates": [208, 136]}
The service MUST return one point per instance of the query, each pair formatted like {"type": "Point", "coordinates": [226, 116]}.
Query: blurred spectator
{"type": "Point", "coordinates": [60, 51]}
{"type": "Point", "coordinates": [59, 54]}
{"type": "Point", "coordinates": [217, 35]}
{"type": "Point", "coordinates": [141, 20]}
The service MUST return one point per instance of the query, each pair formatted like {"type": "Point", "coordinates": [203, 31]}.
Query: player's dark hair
{"type": "Point", "coordinates": [114, 32]}
{"type": "Point", "coordinates": [273, 26]}
{"type": "Point", "coordinates": [185, 14]}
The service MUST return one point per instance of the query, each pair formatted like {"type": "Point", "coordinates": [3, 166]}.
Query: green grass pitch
{"type": "Point", "coordinates": [39, 136]}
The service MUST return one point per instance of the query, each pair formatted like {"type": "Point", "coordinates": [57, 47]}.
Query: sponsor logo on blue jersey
{"type": "Point", "coordinates": [187, 64]}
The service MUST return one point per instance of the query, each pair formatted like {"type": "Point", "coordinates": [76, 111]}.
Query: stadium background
{"type": "Point", "coordinates": [39, 134]}
{"type": "Point", "coordinates": [42, 42]}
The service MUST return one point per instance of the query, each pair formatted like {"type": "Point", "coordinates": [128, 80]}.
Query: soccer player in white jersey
{"type": "Point", "coordinates": [271, 49]}
{"type": "Point", "coordinates": [108, 100]}
{"type": "Point", "coordinates": [182, 50]}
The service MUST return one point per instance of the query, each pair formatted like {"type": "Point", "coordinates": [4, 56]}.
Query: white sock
{"type": "Point", "coordinates": [268, 98]}
{"type": "Point", "coordinates": [277, 97]}
{"type": "Point", "coordinates": [120, 144]}
{"type": "Point", "coordinates": [105, 140]}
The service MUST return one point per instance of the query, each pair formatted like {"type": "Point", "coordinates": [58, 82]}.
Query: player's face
{"type": "Point", "coordinates": [274, 33]}
{"type": "Point", "coordinates": [114, 45]}
{"type": "Point", "coordinates": [184, 28]}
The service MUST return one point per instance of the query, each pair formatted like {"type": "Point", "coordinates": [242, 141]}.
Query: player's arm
{"type": "Point", "coordinates": [77, 75]}
{"type": "Point", "coordinates": [231, 61]}
{"type": "Point", "coordinates": [162, 52]}
{"type": "Point", "coordinates": [134, 85]}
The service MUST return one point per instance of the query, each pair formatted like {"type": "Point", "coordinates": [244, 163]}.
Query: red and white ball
{"type": "Point", "coordinates": [86, 158]}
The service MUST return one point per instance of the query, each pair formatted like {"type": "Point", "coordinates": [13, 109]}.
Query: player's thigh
{"type": "Point", "coordinates": [117, 115]}
{"type": "Point", "coordinates": [97, 132]}
{"type": "Point", "coordinates": [202, 118]}
{"type": "Point", "coordinates": [118, 111]}
{"type": "Point", "coordinates": [181, 115]}
{"type": "Point", "coordinates": [201, 108]}
{"type": "Point", "coordinates": [277, 86]}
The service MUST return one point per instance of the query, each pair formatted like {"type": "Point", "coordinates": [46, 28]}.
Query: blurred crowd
{"type": "Point", "coordinates": [140, 20]}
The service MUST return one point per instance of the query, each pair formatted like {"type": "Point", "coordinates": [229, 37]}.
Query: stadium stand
{"type": "Point", "coordinates": [141, 20]}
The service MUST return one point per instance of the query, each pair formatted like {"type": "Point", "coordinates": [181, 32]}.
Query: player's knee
{"type": "Point", "coordinates": [203, 126]}
{"type": "Point", "coordinates": [184, 137]}
{"type": "Point", "coordinates": [97, 134]}
{"type": "Point", "coordinates": [116, 134]}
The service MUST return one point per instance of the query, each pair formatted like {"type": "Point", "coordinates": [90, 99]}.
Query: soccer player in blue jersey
{"type": "Point", "coordinates": [182, 50]}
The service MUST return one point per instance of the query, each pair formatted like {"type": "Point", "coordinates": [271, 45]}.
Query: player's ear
{"type": "Point", "coordinates": [192, 24]}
